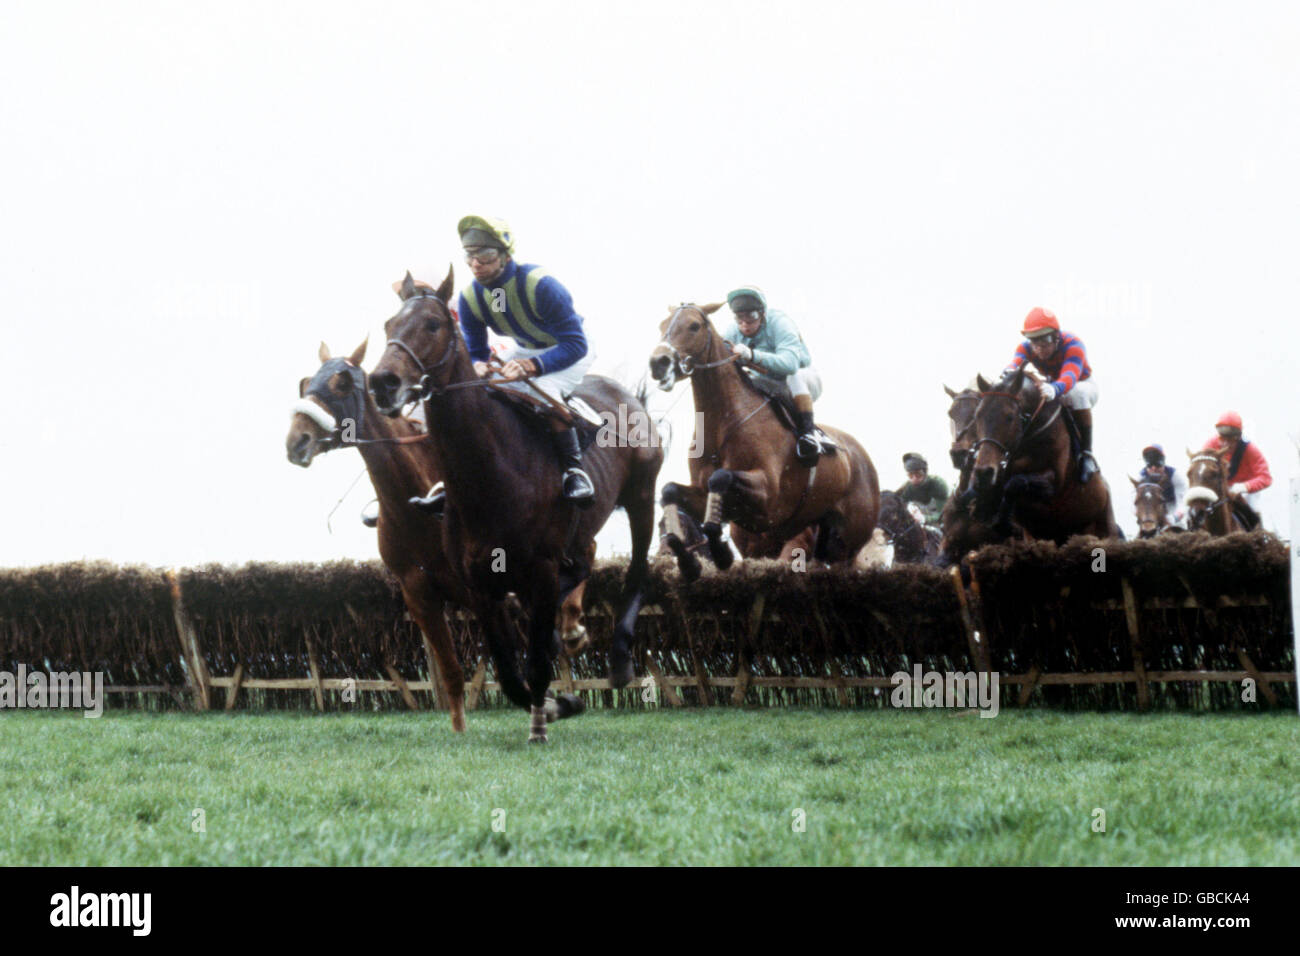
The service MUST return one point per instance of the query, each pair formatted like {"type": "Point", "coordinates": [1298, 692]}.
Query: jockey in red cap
{"type": "Point", "coordinates": [1062, 359]}
{"type": "Point", "coordinates": [1247, 469]}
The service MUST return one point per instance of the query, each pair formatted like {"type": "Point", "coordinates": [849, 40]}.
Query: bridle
{"type": "Point", "coordinates": [1197, 517]}
{"type": "Point", "coordinates": [1026, 419]}
{"type": "Point", "coordinates": [685, 365]}
{"type": "Point", "coordinates": [426, 388]}
{"type": "Point", "coordinates": [1160, 499]}
{"type": "Point", "coordinates": [334, 438]}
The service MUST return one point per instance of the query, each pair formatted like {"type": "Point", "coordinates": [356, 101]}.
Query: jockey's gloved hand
{"type": "Point", "coordinates": [1237, 489]}
{"type": "Point", "coordinates": [744, 351]}
{"type": "Point", "coordinates": [1047, 390]}
{"type": "Point", "coordinates": [480, 369]}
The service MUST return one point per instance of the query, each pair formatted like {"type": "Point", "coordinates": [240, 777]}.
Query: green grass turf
{"type": "Point", "coordinates": [689, 787]}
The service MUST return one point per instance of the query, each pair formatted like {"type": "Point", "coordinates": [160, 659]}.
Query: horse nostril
{"type": "Point", "coordinates": [658, 366]}
{"type": "Point", "coordinates": [383, 385]}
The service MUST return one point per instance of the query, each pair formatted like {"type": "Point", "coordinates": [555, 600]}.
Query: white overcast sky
{"type": "Point", "coordinates": [195, 195]}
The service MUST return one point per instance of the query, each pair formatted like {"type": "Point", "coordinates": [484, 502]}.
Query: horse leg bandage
{"type": "Point", "coordinates": [537, 726]}
{"type": "Point", "coordinates": [713, 509]}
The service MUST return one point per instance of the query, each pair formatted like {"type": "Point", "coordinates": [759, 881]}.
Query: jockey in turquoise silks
{"type": "Point", "coordinates": [769, 343]}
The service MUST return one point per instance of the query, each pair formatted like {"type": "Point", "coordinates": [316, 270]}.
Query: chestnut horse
{"type": "Point", "coordinates": [1024, 464]}
{"type": "Point", "coordinates": [506, 527]}
{"type": "Point", "coordinates": [1209, 508]}
{"type": "Point", "coordinates": [401, 466]}
{"type": "Point", "coordinates": [747, 472]}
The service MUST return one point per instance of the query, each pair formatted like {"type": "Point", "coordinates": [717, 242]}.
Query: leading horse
{"type": "Point", "coordinates": [747, 472]}
{"type": "Point", "coordinates": [506, 527]}
{"type": "Point", "coordinates": [1024, 465]}
{"type": "Point", "coordinates": [962, 531]}
{"type": "Point", "coordinates": [335, 410]}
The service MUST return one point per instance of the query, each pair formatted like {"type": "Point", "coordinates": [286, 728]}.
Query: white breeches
{"type": "Point", "coordinates": [1083, 395]}
{"type": "Point", "coordinates": [805, 381]}
{"type": "Point", "coordinates": [559, 385]}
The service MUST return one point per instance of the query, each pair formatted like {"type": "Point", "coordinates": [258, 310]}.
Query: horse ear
{"type": "Point", "coordinates": [981, 383]}
{"type": "Point", "coordinates": [408, 286]}
{"type": "Point", "coordinates": [1190, 454]}
{"type": "Point", "coordinates": [710, 309]}
{"type": "Point", "coordinates": [324, 353]}
{"type": "Point", "coordinates": [1134, 480]}
{"type": "Point", "coordinates": [951, 393]}
{"type": "Point", "coordinates": [302, 387]}
{"type": "Point", "coordinates": [1018, 380]}
{"type": "Point", "coordinates": [448, 284]}
{"type": "Point", "coordinates": [357, 357]}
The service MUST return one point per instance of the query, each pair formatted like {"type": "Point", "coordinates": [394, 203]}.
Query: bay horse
{"type": "Point", "coordinates": [1149, 506]}
{"type": "Point", "coordinates": [506, 528]}
{"type": "Point", "coordinates": [1024, 464]}
{"type": "Point", "coordinates": [1209, 508]}
{"type": "Point", "coordinates": [335, 410]}
{"type": "Point", "coordinates": [913, 542]}
{"type": "Point", "coordinates": [747, 472]}
{"type": "Point", "coordinates": [962, 533]}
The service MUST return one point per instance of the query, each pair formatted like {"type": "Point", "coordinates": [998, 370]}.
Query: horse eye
{"type": "Point", "coordinates": [694, 327]}
{"type": "Point", "coordinates": [431, 325]}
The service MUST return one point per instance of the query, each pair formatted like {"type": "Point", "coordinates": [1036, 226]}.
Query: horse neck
{"type": "Point", "coordinates": [720, 395]}
{"type": "Point", "coordinates": [470, 434]}
{"type": "Point", "coordinates": [396, 471]}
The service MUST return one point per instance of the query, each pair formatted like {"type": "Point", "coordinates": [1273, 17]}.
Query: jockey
{"type": "Point", "coordinates": [768, 341]}
{"type": "Point", "coordinates": [1247, 470]}
{"type": "Point", "coordinates": [929, 493]}
{"type": "Point", "coordinates": [1173, 486]}
{"type": "Point", "coordinates": [526, 304]}
{"type": "Point", "coordinates": [1061, 357]}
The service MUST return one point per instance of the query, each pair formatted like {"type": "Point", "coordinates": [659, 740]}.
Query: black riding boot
{"type": "Point", "coordinates": [807, 447]}
{"type": "Point", "coordinates": [434, 503]}
{"type": "Point", "coordinates": [1087, 464]}
{"type": "Point", "coordinates": [577, 486]}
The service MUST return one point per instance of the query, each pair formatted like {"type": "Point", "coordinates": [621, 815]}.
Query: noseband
{"type": "Point", "coordinates": [685, 364]}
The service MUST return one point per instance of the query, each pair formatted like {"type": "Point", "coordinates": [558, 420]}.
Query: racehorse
{"type": "Point", "coordinates": [1208, 506]}
{"type": "Point", "coordinates": [401, 465]}
{"type": "Point", "coordinates": [962, 532]}
{"type": "Point", "coordinates": [1149, 505]}
{"type": "Point", "coordinates": [913, 542]}
{"type": "Point", "coordinates": [747, 472]}
{"type": "Point", "coordinates": [1024, 464]}
{"type": "Point", "coordinates": [506, 528]}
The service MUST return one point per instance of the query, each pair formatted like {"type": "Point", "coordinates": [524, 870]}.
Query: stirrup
{"type": "Point", "coordinates": [434, 503]}
{"type": "Point", "coordinates": [370, 518]}
{"type": "Point", "coordinates": [577, 487]}
{"type": "Point", "coordinates": [808, 447]}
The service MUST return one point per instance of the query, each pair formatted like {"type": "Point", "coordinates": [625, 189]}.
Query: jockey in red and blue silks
{"type": "Point", "coordinates": [1062, 359]}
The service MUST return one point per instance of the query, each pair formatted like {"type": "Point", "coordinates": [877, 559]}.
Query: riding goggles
{"type": "Point", "coordinates": [483, 254]}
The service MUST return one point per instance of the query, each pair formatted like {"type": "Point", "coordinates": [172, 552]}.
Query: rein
{"type": "Point", "coordinates": [1026, 420]}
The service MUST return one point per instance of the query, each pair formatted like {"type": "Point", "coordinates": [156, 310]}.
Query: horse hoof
{"type": "Point", "coordinates": [537, 738]}
{"type": "Point", "coordinates": [576, 640]}
{"type": "Point", "coordinates": [721, 553]}
{"type": "Point", "coordinates": [620, 672]}
{"type": "Point", "coordinates": [711, 529]}
{"type": "Point", "coordinates": [570, 705]}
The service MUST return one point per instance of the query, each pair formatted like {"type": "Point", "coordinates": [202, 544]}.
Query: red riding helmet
{"type": "Point", "coordinates": [1230, 419]}
{"type": "Point", "coordinates": [1040, 322]}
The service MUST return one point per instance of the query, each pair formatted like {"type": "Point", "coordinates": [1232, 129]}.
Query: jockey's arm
{"type": "Point", "coordinates": [784, 357]}
{"type": "Point", "coordinates": [1071, 368]}
{"type": "Point", "coordinates": [1256, 467]}
{"type": "Point", "coordinates": [555, 306]}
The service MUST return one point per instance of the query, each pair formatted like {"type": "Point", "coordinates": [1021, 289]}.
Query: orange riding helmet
{"type": "Point", "coordinates": [1040, 322]}
{"type": "Point", "coordinates": [1229, 419]}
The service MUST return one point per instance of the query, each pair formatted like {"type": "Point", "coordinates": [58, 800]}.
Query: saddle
{"type": "Point", "coordinates": [544, 412]}
{"type": "Point", "coordinates": [1249, 516]}
{"type": "Point", "coordinates": [783, 405]}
